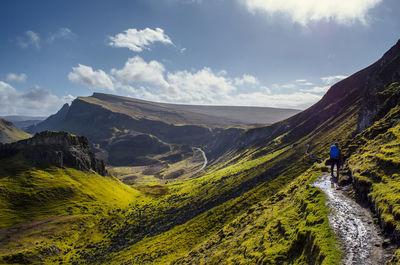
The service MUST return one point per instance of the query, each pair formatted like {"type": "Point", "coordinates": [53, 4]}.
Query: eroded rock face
{"type": "Point", "coordinates": [59, 149]}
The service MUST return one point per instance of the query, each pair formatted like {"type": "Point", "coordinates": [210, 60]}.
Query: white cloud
{"type": "Point", "coordinates": [12, 77]}
{"type": "Point", "coordinates": [330, 80]}
{"type": "Point", "coordinates": [62, 33]}
{"type": "Point", "coordinates": [150, 81]}
{"type": "Point", "coordinates": [203, 86]}
{"type": "Point", "coordinates": [292, 100]}
{"type": "Point", "coordinates": [30, 38]}
{"type": "Point", "coordinates": [246, 79]}
{"type": "Point", "coordinates": [207, 87]}
{"type": "Point", "coordinates": [93, 79]}
{"type": "Point", "coordinates": [35, 101]}
{"type": "Point", "coordinates": [288, 86]}
{"type": "Point", "coordinates": [138, 40]}
{"type": "Point", "coordinates": [316, 89]}
{"type": "Point", "coordinates": [306, 11]}
{"type": "Point", "coordinates": [266, 90]}
{"type": "Point", "coordinates": [136, 70]}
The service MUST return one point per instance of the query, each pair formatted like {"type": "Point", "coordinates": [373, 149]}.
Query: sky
{"type": "Point", "coordinates": [269, 53]}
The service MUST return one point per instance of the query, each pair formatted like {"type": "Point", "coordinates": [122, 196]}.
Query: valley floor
{"type": "Point", "coordinates": [360, 239]}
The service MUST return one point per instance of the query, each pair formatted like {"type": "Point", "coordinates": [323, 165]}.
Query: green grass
{"type": "Point", "coordinates": [10, 133]}
{"type": "Point", "coordinates": [288, 228]}
{"type": "Point", "coordinates": [376, 162]}
{"type": "Point", "coordinates": [35, 194]}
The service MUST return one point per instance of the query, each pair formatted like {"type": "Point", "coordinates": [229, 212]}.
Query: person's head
{"type": "Point", "coordinates": [337, 144]}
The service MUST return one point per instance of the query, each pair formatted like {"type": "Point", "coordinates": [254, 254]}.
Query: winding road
{"type": "Point", "coordinates": [204, 157]}
{"type": "Point", "coordinates": [353, 225]}
{"type": "Point", "coordinates": [197, 148]}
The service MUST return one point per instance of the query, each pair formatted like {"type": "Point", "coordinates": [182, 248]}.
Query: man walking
{"type": "Point", "coordinates": [335, 160]}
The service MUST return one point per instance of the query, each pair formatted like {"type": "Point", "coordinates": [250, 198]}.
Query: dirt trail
{"type": "Point", "coordinates": [360, 238]}
{"type": "Point", "coordinates": [204, 157]}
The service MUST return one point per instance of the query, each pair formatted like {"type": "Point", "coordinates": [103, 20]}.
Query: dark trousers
{"type": "Point", "coordinates": [335, 161]}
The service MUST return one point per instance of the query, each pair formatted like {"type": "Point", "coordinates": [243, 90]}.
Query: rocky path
{"type": "Point", "coordinates": [360, 238]}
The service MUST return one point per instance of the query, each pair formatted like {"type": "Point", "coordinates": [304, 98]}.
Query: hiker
{"type": "Point", "coordinates": [335, 160]}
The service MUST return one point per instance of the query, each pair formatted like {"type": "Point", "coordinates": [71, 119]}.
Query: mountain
{"type": "Point", "coordinates": [24, 121]}
{"type": "Point", "coordinates": [113, 122]}
{"type": "Point", "coordinates": [253, 203]}
{"type": "Point", "coordinates": [10, 133]}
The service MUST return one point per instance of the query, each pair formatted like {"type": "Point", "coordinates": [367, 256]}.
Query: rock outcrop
{"type": "Point", "coordinates": [59, 149]}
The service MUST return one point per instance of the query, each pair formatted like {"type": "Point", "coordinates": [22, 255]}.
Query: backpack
{"type": "Point", "coordinates": [334, 152]}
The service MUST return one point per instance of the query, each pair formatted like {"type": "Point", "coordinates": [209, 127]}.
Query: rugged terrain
{"type": "Point", "coordinates": [254, 202]}
{"type": "Point", "coordinates": [141, 134]}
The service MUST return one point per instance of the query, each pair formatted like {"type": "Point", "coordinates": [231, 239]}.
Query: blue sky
{"type": "Point", "coordinates": [220, 52]}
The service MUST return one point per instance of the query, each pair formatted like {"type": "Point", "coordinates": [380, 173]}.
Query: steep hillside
{"type": "Point", "coordinates": [10, 133]}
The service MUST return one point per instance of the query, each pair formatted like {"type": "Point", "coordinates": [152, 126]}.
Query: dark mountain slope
{"type": "Point", "coordinates": [51, 123]}
{"type": "Point", "coordinates": [213, 116]}
{"type": "Point", "coordinates": [10, 133]}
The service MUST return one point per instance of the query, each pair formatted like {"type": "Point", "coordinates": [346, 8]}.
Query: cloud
{"type": "Point", "coordinates": [93, 79]}
{"type": "Point", "coordinates": [330, 80]}
{"type": "Point", "coordinates": [316, 89]}
{"type": "Point", "coordinates": [35, 101]}
{"type": "Point", "coordinates": [291, 100]}
{"type": "Point", "coordinates": [139, 40]}
{"type": "Point", "coordinates": [136, 70]}
{"type": "Point", "coordinates": [189, 87]}
{"type": "Point", "coordinates": [62, 33]}
{"type": "Point", "coordinates": [151, 81]}
{"type": "Point", "coordinates": [12, 77]}
{"type": "Point", "coordinates": [246, 79]}
{"type": "Point", "coordinates": [203, 86]}
{"type": "Point", "coordinates": [306, 11]}
{"type": "Point", "coordinates": [30, 38]}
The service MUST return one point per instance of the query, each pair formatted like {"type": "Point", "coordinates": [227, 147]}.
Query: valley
{"type": "Point", "coordinates": [153, 183]}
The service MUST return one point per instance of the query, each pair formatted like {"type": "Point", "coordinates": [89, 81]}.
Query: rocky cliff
{"type": "Point", "coordinates": [59, 149]}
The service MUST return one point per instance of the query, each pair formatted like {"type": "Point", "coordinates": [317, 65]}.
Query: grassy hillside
{"type": "Point", "coordinates": [10, 133]}
{"type": "Point", "coordinates": [253, 204]}
{"type": "Point", "coordinates": [47, 212]}
{"type": "Point", "coordinates": [113, 223]}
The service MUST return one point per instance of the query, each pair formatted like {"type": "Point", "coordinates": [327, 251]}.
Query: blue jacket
{"type": "Point", "coordinates": [334, 152]}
